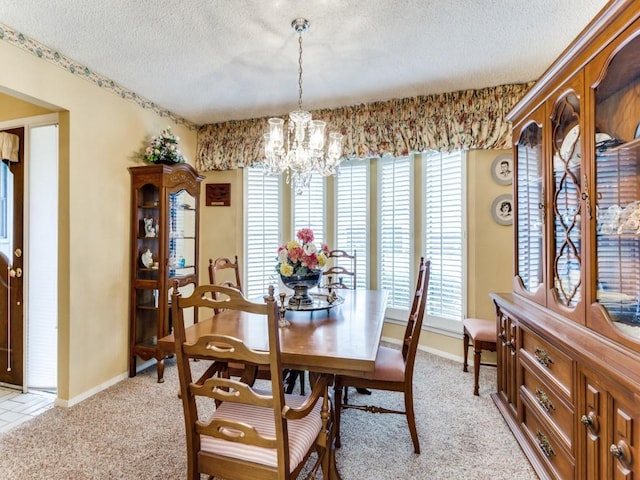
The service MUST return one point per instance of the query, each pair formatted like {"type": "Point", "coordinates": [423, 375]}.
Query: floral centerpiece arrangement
{"type": "Point", "coordinates": [301, 256]}
{"type": "Point", "coordinates": [300, 264]}
{"type": "Point", "coordinates": [163, 149]}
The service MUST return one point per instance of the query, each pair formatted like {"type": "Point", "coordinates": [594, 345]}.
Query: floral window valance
{"type": "Point", "coordinates": [469, 119]}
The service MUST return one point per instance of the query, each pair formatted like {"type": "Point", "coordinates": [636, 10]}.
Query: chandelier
{"type": "Point", "coordinates": [301, 151]}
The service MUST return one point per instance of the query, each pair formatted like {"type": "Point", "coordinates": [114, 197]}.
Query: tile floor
{"type": "Point", "coordinates": [17, 407]}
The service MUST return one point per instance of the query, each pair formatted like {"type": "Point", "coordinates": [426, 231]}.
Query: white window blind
{"type": "Point", "coordinates": [618, 274]}
{"type": "Point", "coordinates": [309, 209]}
{"type": "Point", "coordinates": [395, 233]}
{"type": "Point", "coordinates": [444, 233]}
{"type": "Point", "coordinates": [529, 197]}
{"type": "Point", "coordinates": [262, 231]}
{"type": "Point", "coordinates": [352, 218]}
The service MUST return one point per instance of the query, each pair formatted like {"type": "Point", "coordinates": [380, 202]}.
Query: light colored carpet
{"type": "Point", "coordinates": [134, 430]}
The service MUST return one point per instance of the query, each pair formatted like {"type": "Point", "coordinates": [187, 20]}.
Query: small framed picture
{"type": "Point", "coordinates": [502, 169]}
{"type": "Point", "coordinates": [502, 209]}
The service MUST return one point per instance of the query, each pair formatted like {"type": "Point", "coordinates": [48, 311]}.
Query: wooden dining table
{"type": "Point", "coordinates": [343, 339]}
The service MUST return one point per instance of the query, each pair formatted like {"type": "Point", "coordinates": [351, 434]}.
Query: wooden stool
{"type": "Point", "coordinates": [483, 335]}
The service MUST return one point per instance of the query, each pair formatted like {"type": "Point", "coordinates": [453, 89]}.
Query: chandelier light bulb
{"type": "Point", "coordinates": [276, 135]}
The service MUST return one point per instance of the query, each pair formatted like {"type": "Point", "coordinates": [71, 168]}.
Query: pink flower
{"type": "Point", "coordinates": [310, 261]}
{"type": "Point", "coordinates": [296, 254]}
{"type": "Point", "coordinates": [301, 256]}
{"type": "Point", "coordinates": [305, 235]}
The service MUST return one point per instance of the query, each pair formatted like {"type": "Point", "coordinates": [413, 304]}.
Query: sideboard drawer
{"type": "Point", "coordinates": [558, 461]}
{"type": "Point", "coordinates": [556, 410]}
{"type": "Point", "coordinates": [555, 365]}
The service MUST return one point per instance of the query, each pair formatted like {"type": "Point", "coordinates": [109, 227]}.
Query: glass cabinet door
{"type": "Point", "coordinates": [566, 202]}
{"type": "Point", "coordinates": [617, 189]}
{"type": "Point", "coordinates": [530, 208]}
{"type": "Point", "coordinates": [182, 234]}
{"type": "Point", "coordinates": [147, 267]}
{"type": "Point", "coordinates": [147, 232]}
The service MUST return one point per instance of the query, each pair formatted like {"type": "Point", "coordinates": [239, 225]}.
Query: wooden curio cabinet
{"type": "Point", "coordinates": [569, 332]}
{"type": "Point", "coordinates": [164, 249]}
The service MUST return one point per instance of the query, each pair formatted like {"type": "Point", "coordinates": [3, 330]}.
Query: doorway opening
{"type": "Point", "coordinates": [32, 290]}
{"type": "Point", "coordinates": [42, 260]}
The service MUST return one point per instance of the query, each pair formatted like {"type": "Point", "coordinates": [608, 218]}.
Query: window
{"type": "Point", "coordinates": [309, 209]}
{"type": "Point", "coordinates": [395, 241]}
{"type": "Point", "coordinates": [390, 211]}
{"type": "Point", "coordinates": [530, 195]}
{"type": "Point", "coordinates": [352, 215]}
{"type": "Point", "coordinates": [262, 239]}
{"type": "Point", "coordinates": [444, 234]}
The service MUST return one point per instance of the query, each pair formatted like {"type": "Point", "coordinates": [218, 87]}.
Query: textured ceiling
{"type": "Point", "coordinates": [216, 60]}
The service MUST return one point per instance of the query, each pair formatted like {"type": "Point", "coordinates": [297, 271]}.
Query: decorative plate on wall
{"type": "Point", "coordinates": [502, 169]}
{"type": "Point", "coordinates": [502, 209]}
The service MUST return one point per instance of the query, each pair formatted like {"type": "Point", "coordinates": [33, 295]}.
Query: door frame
{"type": "Point", "coordinates": [28, 123]}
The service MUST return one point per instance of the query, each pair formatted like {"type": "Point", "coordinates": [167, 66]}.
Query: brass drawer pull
{"type": "Point", "coordinates": [543, 399]}
{"type": "Point", "coordinates": [543, 357]}
{"type": "Point", "coordinates": [545, 445]}
{"type": "Point", "coordinates": [590, 421]}
{"type": "Point", "coordinates": [615, 450]}
{"type": "Point", "coordinates": [621, 451]}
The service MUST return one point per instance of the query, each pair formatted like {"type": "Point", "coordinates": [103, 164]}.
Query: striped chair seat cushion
{"type": "Point", "coordinates": [302, 432]}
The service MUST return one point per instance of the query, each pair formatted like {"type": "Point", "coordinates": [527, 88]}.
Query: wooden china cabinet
{"type": "Point", "coordinates": [164, 248]}
{"type": "Point", "coordinates": [569, 333]}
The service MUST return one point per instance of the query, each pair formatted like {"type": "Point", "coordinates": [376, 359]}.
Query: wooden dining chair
{"type": "Point", "coordinates": [225, 273]}
{"type": "Point", "coordinates": [222, 271]}
{"type": "Point", "coordinates": [251, 433]}
{"type": "Point", "coordinates": [336, 275]}
{"type": "Point", "coordinates": [393, 369]}
{"type": "Point", "coordinates": [333, 277]}
{"type": "Point", "coordinates": [342, 272]}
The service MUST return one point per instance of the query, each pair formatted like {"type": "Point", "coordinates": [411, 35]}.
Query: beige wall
{"type": "Point", "coordinates": [12, 108]}
{"type": "Point", "coordinates": [221, 227]}
{"type": "Point", "coordinates": [490, 254]}
{"type": "Point", "coordinates": [100, 134]}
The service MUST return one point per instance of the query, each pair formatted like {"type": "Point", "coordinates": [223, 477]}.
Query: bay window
{"type": "Point", "coordinates": [389, 210]}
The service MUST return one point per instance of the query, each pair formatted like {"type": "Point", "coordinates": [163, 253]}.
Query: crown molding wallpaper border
{"type": "Point", "coordinates": [36, 48]}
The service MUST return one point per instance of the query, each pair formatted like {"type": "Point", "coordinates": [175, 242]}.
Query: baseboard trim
{"type": "Point", "coordinates": [434, 351]}
{"type": "Point", "coordinates": [103, 386]}
{"type": "Point", "coordinates": [89, 393]}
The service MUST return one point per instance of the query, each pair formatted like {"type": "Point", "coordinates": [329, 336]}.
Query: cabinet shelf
{"type": "Point", "coordinates": [147, 306]}
{"type": "Point", "coordinates": [631, 147]}
{"type": "Point", "coordinates": [632, 236]}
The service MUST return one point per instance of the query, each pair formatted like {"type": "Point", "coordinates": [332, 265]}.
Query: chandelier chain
{"type": "Point", "coordinates": [300, 71]}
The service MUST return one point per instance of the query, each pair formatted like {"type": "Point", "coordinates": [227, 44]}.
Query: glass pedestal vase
{"type": "Point", "coordinates": [301, 285]}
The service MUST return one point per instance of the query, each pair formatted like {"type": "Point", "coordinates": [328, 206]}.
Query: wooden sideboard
{"type": "Point", "coordinates": [569, 332]}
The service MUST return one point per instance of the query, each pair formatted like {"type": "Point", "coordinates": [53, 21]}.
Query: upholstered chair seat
{"type": "Point", "coordinates": [302, 433]}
